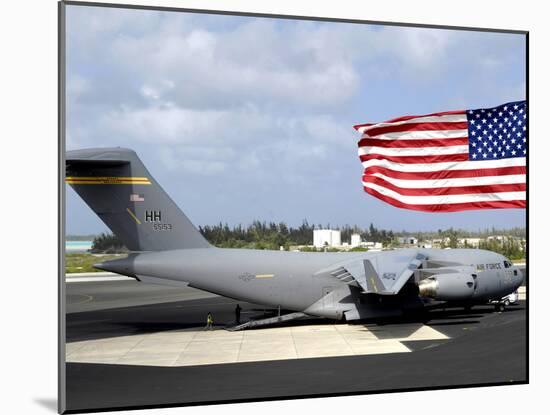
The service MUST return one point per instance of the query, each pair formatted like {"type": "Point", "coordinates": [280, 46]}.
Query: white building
{"type": "Point", "coordinates": [326, 237]}
{"type": "Point", "coordinates": [407, 240]}
{"type": "Point", "coordinates": [471, 242]}
{"type": "Point", "coordinates": [372, 246]}
{"type": "Point", "coordinates": [355, 240]}
{"type": "Point", "coordinates": [377, 246]}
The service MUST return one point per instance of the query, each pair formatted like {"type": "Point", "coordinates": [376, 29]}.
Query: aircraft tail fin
{"type": "Point", "coordinates": [120, 190]}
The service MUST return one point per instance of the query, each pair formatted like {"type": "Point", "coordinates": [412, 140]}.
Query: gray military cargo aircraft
{"type": "Point", "coordinates": [166, 248]}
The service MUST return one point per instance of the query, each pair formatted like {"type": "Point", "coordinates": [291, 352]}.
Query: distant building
{"type": "Point", "coordinates": [434, 243]}
{"type": "Point", "coordinates": [407, 240]}
{"type": "Point", "coordinates": [355, 240]}
{"type": "Point", "coordinates": [326, 237]}
{"type": "Point", "coordinates": [372, 246]}
{"type": "Point", "coordinates": [470, 242]}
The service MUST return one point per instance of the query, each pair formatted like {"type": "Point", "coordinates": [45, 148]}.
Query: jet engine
{"type": "Point", "coordinates": [447, 287]}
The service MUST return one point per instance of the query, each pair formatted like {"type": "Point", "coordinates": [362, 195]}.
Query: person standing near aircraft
{"type": "Point", "coordinates": [209, 321]}
{"type": "Point", "coordinates": [238, 314]}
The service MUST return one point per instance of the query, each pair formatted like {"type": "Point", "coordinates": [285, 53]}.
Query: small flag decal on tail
{"type": "Point", "coordinates": [448, 161]}
{"type": "Point", "coordinates": [136, 198]}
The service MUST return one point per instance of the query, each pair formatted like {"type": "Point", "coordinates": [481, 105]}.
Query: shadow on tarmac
{"type": "Point", "coordinates": [185, 315]}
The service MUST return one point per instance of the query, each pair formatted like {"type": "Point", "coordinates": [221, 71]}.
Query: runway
{"type": "Point", "coordinates": [114, 326]}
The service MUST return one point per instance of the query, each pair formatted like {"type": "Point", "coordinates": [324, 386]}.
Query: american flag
{"type": "Point", "coordinates": [448, 161]}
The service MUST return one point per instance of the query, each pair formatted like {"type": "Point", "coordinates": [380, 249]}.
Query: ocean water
{"type": "Point", "coordinates": [78, 246]}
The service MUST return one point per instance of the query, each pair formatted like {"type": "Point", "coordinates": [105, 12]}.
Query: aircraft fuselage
{"type": "Point", "coordinates": [305, 282]}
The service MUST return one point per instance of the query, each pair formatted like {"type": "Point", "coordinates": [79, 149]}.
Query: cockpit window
{"type": "Point", "coordinates": [507, 264]}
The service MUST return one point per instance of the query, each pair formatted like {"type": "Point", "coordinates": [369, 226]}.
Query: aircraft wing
{"type": "Point", "coordinates": [383, 274]}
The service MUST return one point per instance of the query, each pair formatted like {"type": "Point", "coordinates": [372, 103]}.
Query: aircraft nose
{"type": "Point", "coordinates": [519, 276]}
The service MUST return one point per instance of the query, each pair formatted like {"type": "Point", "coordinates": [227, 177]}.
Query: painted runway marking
{"type": "Point", "coordinates": [87, 299]}
{"type": "Point", "coordinates": [96, 277]}
{"type": "Point", "coordinates": [193, 347]}
{"type": "Point", "coordinates": [99, 279]}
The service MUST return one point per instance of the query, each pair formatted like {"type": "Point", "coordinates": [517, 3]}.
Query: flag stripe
{"type": "Point", "coordinates": [450, 116]}
{"type": "Point", "coordinates": [420, 135]}
{"type": "Point", "coordinates": [428, 142]}
{"type": "Point", "coordinates": [450, 182]}
{"type": "Point", "coordinates": [446, 174]}
{"type": "Point", "coordinates": [450, 207]}
{"type": "Point", "coordinates": [416, 159]}
{"type": "Point", "coordinates": [450, 190]}
{"type": "Point", "coordinates": [426, 167]}
{"type": "Point", "coordinates": [423, 126]}
{"type": "Point", "coordinates": [445, 199]}
{"type": "Point", "coordinates": [415, 151]}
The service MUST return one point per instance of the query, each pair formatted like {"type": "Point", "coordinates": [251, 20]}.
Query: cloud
{"type": "Point", "coordinates": [211, 94]}
{"type": "Point", "coordinates": [241, 140]}
{"type": "Point", "coordinates": [207, 162]}
{"type": "Point", "coordinates": [265, 62]}
{"type": "Point", "coordinates": [226, 69]}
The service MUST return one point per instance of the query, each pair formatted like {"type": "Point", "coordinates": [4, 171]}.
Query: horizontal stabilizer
{"type": "Point", "coordinates": [100, 157]}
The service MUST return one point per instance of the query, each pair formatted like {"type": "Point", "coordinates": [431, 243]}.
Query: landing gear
{"type": "Point", "coordinates": [500, 307]}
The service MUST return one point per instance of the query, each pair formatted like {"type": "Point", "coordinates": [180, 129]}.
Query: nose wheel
{"type": "Point", "coordinates": [500, 307]}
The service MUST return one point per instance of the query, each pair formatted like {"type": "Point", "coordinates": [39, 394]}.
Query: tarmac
{"type": "Point", "coordinates": [138, 345]}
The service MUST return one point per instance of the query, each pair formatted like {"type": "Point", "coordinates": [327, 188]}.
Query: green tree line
{"type": "Point", "coordinates": [509, 247]}
{"type": "Point", "coordinates": [273, 235]}
{"type": "Point", "coordinates": [107, 243]}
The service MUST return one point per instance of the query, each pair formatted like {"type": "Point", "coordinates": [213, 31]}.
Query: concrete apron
{"type": "Point", "coordinates": [192, 347]}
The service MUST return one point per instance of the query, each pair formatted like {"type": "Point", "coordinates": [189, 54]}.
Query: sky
{"type": "Point", "coordinates": [246, 118]}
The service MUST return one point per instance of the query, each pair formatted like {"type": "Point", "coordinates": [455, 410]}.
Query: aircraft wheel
{"type": "Point", "coordinates": [500, 307]}
{"type": "Point", "coordinates": [506, 303]}
{"type": "Point", "coordinates": [468, 308]}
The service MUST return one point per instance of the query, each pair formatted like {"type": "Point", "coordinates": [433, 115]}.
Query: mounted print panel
{"type": "Point", "coordinates": [273, 207]}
